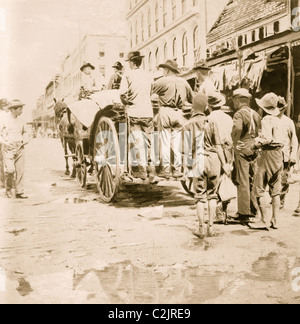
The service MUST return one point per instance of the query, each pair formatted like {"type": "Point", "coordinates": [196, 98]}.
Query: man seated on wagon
{"type": "Point", "coordinates": [92, 81]}
{"type": "Point", "coordinates": [135, 93]}
{"type": "Point", "coordinates": [116, 79]}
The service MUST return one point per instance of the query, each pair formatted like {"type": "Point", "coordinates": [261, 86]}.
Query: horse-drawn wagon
{"type": "Point", "coordinates": [100, 131]}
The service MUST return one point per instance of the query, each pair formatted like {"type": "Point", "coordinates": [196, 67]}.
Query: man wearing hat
{"type": "Point", "coordinates": [290, 149]}
{"type": "Point", "coordinates": [3, 111]}
{"type": "Point", "coordinates": [174, 92]}
{"type": "Point", "coordinates": [246, 126]}
{"type": "Point", "coordinates": [270, 163]}
{"type": "Point", "coordinates": [92, 80]}
{"type": "Point", "coordinates": [13, 138]}
{"type": "Point", "coordinates": [205, 84]}
{"type": "Point", "coordinates": [115, 80]}
{"type": "Point", "coordinates": [135, 93]}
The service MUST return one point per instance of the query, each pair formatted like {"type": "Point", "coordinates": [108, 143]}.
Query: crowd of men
{"type": "Point", "coordinates": [256, 148]}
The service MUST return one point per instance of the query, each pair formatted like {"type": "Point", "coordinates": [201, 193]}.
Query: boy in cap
{"type": "Point", "coordinates": [270, 163]}
{"type": "Point", "coordinates": [202, 142]}
{"type": "Point", "coordinates": [13, 138]}
{"type": "Point", "coordinates": [173, 92]}
{"type": "Point", "coordinates": [246, 126]}
{"type": "Point", "coordinates": [115, 80]}
{"type": "Point", "coordinates": [135, 93]}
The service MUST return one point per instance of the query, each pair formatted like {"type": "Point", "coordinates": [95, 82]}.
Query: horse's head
{"type": "Point", "coordinates": [60, 108]}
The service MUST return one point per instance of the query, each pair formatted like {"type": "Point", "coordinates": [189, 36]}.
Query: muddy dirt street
{"type": "Point", "coordinates": [63, 245]}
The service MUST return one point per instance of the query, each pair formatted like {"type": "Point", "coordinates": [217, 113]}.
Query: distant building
{"type": "Point", "coordinates": [100, 50]}
{"type": "Point", "coordinates": [171, 29]}
{"type": "Point", "coordinates": [256, 44]}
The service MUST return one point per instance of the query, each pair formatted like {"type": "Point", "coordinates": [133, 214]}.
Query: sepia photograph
{"type": "Point", "coordinates": [149, 154]}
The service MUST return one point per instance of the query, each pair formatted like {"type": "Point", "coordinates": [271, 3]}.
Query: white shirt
{"type": "Point", "coordinates": [207, 87]}
{"type": "Point", "coordinates": [12, 129]}
{"type": "Point", "coordinates": [136, 92]}
{"type": "Point", "coordinates": [290, 139]}
{"type": "Point", "coordinates": [225, 125]}
{"type": "Point", "coordinates": [93, 82]}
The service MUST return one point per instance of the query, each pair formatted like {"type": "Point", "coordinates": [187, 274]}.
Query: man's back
{"type": "Point", "coordinates": [246, 123]}
{"type": "Point", "coordinates": [173, 91]}
{"type": "Point", "coordinates": [136, 92]}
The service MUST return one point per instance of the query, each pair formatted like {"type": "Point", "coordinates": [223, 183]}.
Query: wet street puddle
{"type": "Point", "coordinates": [126, 283]}
{"type": "Point", "coordinates": [273, 267]}
{"type": "Point", "coordinates": [24, 288]}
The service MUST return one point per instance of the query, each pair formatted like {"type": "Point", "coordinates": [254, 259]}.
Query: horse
{"type": "Point", "coordinates": [66, 133]}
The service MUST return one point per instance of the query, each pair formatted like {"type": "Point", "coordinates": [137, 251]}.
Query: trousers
{"type": "Point", "coordinates": [14, 165]}
{"type": "Point", "coordinates": [170, 123]}
{"type": "Point", "coordinates": [244, 173]}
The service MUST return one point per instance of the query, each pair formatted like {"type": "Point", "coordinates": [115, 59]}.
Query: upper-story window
{"type": "Point", "coordinates": [165, 51]}
{"type": "Point", "coordinates": [184, 49]}
{"type": "Point", "coordinates": [165, 12]}
{"type": "Point", "coordinates": [136, 33]}
{"type": "Point", "coordinates": [149, 23]}
{"type": "Point", "coordinates": [175, 49]}
{"type": "Point", "coordinates": [150, 61]}
{"type": "Point", "coordinates": [183, 6]}
{"type": "Point", "coordinates": [142, 28]}
{"type": "Point", "coordinates": [156, 18]}
{"type": "Point", "coordinates": [157, 58]}
{"type": "Point", "coordinates": [174, 9]}
{"type": "Point", "coordinates": [195, 3]}
{"type": "Point", "coordinates": [196, 41]}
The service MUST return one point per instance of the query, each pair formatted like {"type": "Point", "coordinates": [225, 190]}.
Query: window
{"type": "Point", "coordinates": [240, 41]}
{"type": "Point", "coordinates": [254, 36]}
{"type": "Point", "coordinates": [131, 36]}
{"type": "Point", "coordinates": [196, 41]}
{"type": "Point", "coordinates": [121, 55]}
{"type": "Point", "coordinates": [136, 33]}
{"type": "Point", "coordinates": [195, 3]}
{"type": "Point", "coordinates": [142, 28]}
{"type": "Point", "coordinates": [150, 61]}
{"type": "Point", "coordinates": [101, 54]}
{"type": "Point", "coordinates": [276, 27]}
{"type": "Point", "coordinates": [149, 23]}
{"type": "Point", "coordinates": [261, 33]}
{"type": "Point", "coordinates": [157, 57]}
{"type": "Point", "coordinates": [183, 6]}
{"type": "Point", "coordinates": [184, 49]}
{"type": "Point", "coordinates": [156, 18]}
{"type": "Point", "coordinates": [175, 49]}
{"type": "Point", "coordinates": [174, 9]}
{"type": "Point", "coordinates": [165, 15]}
{"type": "Point", "coordinates": [165, 51]}
{"type": "Point", "coordinates": [246, 39]}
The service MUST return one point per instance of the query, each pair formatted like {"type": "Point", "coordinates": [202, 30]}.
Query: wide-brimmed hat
{"type": "Point", "coordinates": [170, 65]}
{"type": "Point", "coordinates": [269, 103]}
{"type": "Point", "coordinates": [216, 100]}
{"type": "Point", "coordinates": [3, 103]}
{"type": "Point", "coordinates": [14, 104]}
{"type": "Point", "coordinates": [85, 65]}
{"type": "Point", "coordinates": [242, 93]}
{"type": "Point", "coordinates": [134, 55]}
{"type": "Point", "coordinates": [201, 65]}
{"type": "Point", "coordinates": [118, 65]}
{"type": "Point", "coordinates": [282, 104]}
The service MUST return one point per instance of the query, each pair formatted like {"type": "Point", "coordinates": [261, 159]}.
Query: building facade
{"type": "Point", "coordinates": [171, 29]}
{"type": "Point", "coordinates": [100, 50]}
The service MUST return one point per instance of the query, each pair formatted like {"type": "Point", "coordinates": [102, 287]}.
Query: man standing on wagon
{"type": "Point", "coordinates": [13, 138]}
{"type": "Point", "coordinates": [173, 92]}
{"type": "Point", "coordinates": [135, 93]}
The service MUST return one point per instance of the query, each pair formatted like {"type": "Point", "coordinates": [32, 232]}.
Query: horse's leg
{"type": "Point", "coordinates": [66, 157]}
{"type": "Point", "coordinates": [72, 148]}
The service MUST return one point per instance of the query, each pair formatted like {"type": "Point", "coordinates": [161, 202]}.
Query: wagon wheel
{"type": "Point", "coordinates": [81, 167]}
{"type": "Point", "coordinates": [188, 186]}
{"type": "Point", "coordinates": [107, 159]}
